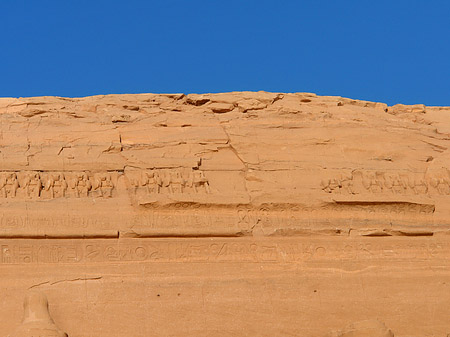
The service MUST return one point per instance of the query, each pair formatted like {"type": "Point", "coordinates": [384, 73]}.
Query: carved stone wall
{"type": "Point", "coordinates": [233, 214]}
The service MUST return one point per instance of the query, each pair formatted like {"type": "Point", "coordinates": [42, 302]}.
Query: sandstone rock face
{"type": "Point", "coordinates": [37, 320]}
{"type": "Point", "coordinates": [368, 328]}
{"type": "Point", "coordinates": [233, 214]}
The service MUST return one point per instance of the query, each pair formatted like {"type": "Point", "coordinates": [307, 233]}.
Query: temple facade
{"type": "Point", "coordinates": [232, 214]}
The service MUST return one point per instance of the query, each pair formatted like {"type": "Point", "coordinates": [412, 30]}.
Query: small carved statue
{"type": "Point", "coordinates": [36, 319]}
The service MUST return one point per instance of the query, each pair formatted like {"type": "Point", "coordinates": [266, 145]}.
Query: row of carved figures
{"type": "Point", "coordinates": [51, 185]}
{"type": "Point", "coordinates": [169, 181]}
{"type": "Point", "coordinates": [382, 182]}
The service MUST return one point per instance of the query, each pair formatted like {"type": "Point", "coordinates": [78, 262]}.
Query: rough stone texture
{"type": "Point", "coordinates": [368, 328]}
{"type": "Point", "coordinates": [37, 320]}
{"type": "Point", "coordinates": [234, 214]}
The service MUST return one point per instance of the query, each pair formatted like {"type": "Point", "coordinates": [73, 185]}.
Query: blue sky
{"type": "Point", "coordinates": [393, 51]}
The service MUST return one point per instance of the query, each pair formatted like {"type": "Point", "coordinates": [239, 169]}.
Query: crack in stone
{"type": "Point", "coordinates": [66, 280]}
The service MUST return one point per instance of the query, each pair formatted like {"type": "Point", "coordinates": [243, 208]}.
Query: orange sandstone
{"type": "Point", "coordinates": [232, 214]}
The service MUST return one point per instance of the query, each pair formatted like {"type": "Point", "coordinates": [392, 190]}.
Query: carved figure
{"type": "Point", "coordinates": [147, 180]}
{"type": "Point", "coordinates": [6, 254]}
{"type": "Point", "coordinates": [397, 185]}
{"type": "Point", "coordinates": [106, 186]}
{"type": "Point", "coordinates": [35, 185]}
{"type": "Point", "coordinates": [335, 185]}
{"type": "Point", "coordinates": [420, 186]}
{"type": "Point", "coordinates": [48, 186]}
{"type": "Point", "coordinates": [12, 185]}
{"type": "Point", "coordinates": [360, 182]}
{"type": "Point", "coordinates": [325, 185]}
{"type": "Point", "coordinates": [60, 185]}
{"type": "Point", "coordinates": [443, 185]}
{"type": "Point", "coordinates": [32, 185]}
{"type": "Point", "coordinates": [136, 180]}
{"type": "Point", "coordinates": [152, 181]}
{"type": "Point", "coordinates": [83, 185]}
{"type": "Point", "coordinates": [347, 184]}
{"type": "Point", "coordinates": [177, 182]}
{"type": "Point", "coordinates": [96, 188]}
{"type": "Point", "coordinates": [3, 184]}
{"type": "Point", "coordinates": [102, 185]}
{"type": "Point", "coordinates": [140, 180]}
{"type": "Point", "coordinates": [167, 183]}
{"type": "Point", "coordinates": [72, 180]}
{"type": "Point", "coordinates": [158, 181]}
{"type": "Point", "coordinates": [372, 182]}
{"type": "Point", "coordinates": [200, 181]}
{"type": "Point", "coordinates": [37, 321]}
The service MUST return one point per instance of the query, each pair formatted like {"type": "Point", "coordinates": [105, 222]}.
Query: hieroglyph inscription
{"type": "Point", "coordinates": [377, 182]}
{"type": "Point", "coordinates": [52, 222]}
{"type": "Point", "coordinates": [51, 185]}
{"type": "Point", "coordinates": [168, 181]}
{"type": "Point", "coordinates": [219, 250]}
{"type": "Point", "coordinates": [247, 218]}
{"type": "Point", "coordinates": [182, 216]}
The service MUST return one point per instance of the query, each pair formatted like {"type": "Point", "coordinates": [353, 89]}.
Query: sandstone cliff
{"type": "Point", "coordinates": [233, 214]}
{"type": "Point", "coordinates": [239, 163]}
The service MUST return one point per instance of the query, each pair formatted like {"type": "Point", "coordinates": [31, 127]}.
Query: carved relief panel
{"type": "Point", "coordinates": [39, 185]}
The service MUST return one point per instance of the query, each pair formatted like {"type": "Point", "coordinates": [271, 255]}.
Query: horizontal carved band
{"type": "Point", "coordinates": [51, 185]}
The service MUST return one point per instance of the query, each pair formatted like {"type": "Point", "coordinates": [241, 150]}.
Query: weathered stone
{"type": "Point", "coordinates": [231, 214]}
{"type": "Point", "coordinates": [36, 319]}
{"type": "Point", "coordinates": [368, 328]}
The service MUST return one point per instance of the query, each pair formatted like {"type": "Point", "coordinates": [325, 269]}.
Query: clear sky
{"type": "Point", "coordinates": [395, 51]}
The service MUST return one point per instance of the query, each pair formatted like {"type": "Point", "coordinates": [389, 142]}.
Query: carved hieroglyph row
{"type": "Point", "coordinates": [206, 219]}
{"type": "Point", "coordinates": [217, 250]}
{"type": "Point", "coordinates": [377, 182]}
{"type": "Point", "coordinates": [51, 185]}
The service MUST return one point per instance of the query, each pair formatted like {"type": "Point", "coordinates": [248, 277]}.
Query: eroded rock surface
{"type": "Point", "coordinates": [368, 328]}
{"type": "Point", "coordinates": [284, 162]}
{"type": "Point", "coordinates": [232, 214]}
{"type": "Point", "coordinates": [36, 319]}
